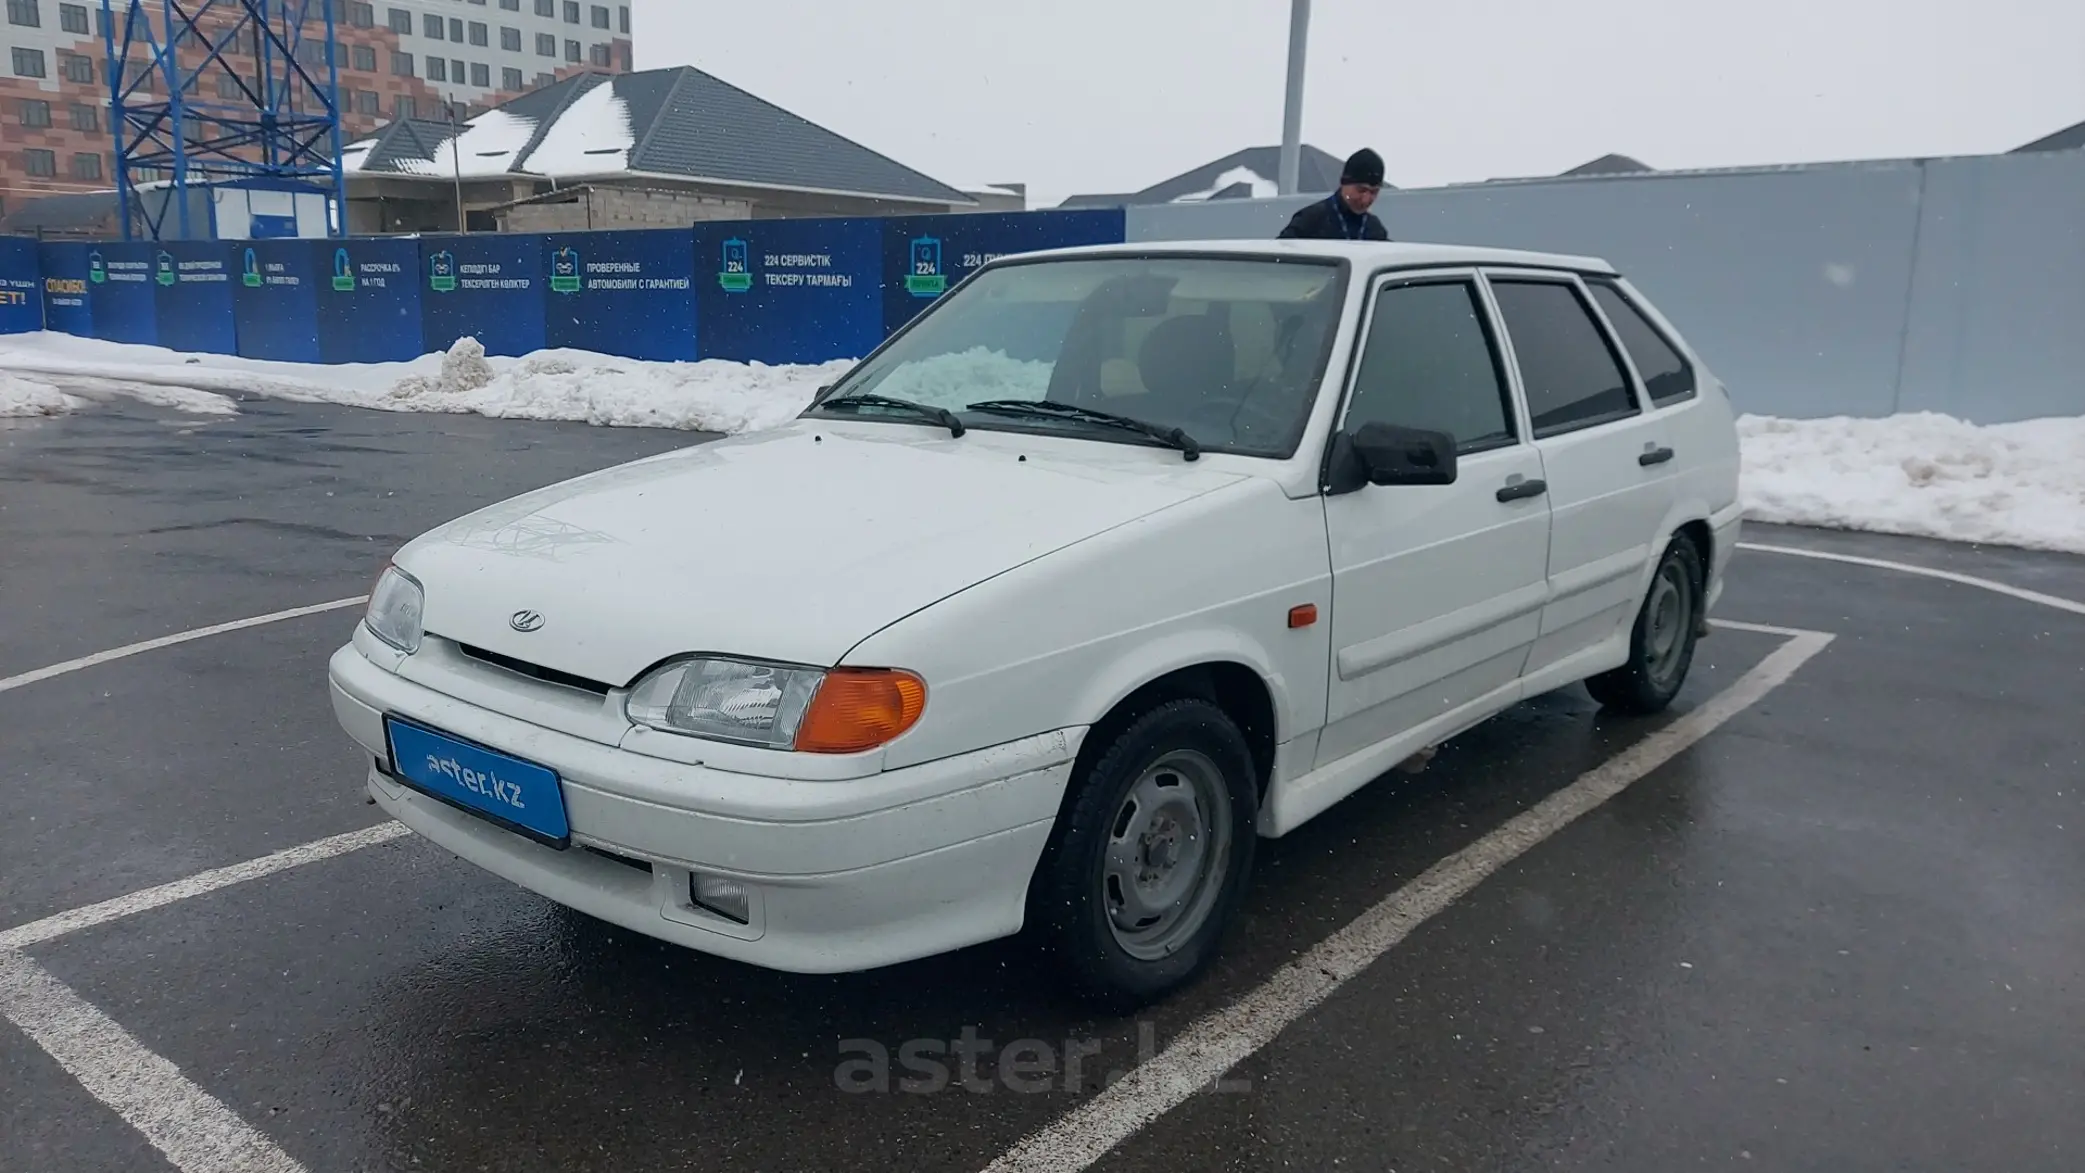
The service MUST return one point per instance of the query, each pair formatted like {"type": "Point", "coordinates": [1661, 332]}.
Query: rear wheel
{"type": "Point", "coordinates": [1661, 647]}
{"type": "Point", "coordinates": [1148, 865]}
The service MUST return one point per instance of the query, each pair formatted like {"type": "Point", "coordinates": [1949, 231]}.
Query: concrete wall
{"type": "Point", "coordinates": [1996, 327]}
{"type": "Point", "coordinates": [604, 208]}
{"type": "Point", "coordinates": [1858, 289]}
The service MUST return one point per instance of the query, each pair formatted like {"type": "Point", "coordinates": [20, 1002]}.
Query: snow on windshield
{"type": "Point", "coordinates": [969, 376]}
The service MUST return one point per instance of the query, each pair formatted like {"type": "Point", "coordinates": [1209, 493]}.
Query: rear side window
{"type": "Point", "coordinates": [1429, 363]}
{"type": "Point", "coordinates": [1667, 376]}
{"type": "Point", "coordinates": [1572, 376]}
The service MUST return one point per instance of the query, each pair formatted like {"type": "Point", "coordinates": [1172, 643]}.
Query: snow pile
{"type": "Point", "coordinates": [21, 398]}
{"type": "Point", "coordinates": [708, 396]}
{"type": "Point", "coordinates": [711, 395]}
{"type": "Point", "coordinates": [1921, 474]}
{"type": "Point", "coordinates": [464, 368]}
{"type": "Point", "coordinates": [952, 380]}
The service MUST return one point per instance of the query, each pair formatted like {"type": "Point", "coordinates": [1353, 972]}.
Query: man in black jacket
{"type": "Point", "coordinates": [1344, 214]}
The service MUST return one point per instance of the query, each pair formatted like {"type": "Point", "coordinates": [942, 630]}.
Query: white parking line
{"type": "Point", "coordinates": [52, 927]}
{"type": "Point", "coordinates": [1217, 1043]}
{"type": "Point", "coordinates": [166, 641]}
{"type": "Point", "coordinates": [1759, 628]}
{"type": "Point", "coordinates": [194, 1130]}
{"type": "Point", "coordinates": [2061, 604]}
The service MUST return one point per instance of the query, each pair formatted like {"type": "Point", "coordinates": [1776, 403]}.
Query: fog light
{"type": "Point", "coordinates": [722, 895]}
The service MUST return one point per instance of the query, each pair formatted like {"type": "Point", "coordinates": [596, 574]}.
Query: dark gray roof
{"type": "Point", "coordinates": [408, 138]}
{"type": "Point", "coordinates": [2069, 138]}
{"type": "Point", "coordinates": [688, 123]}
{"type": "Point", "coordinates": [1316, 171]}
{"type": "Point", "coordinates": [1611, 165]}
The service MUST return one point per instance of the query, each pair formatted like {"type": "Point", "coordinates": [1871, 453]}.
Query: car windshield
{"type": "Point", "coordinates": [1228, 351]}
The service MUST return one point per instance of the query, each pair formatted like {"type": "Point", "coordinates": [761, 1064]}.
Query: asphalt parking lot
{"type": "Point", "coordinates": [1834, 927]}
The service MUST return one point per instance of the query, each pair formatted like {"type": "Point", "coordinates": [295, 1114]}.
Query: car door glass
{"type": "Point", "coordinates": [1429, 363]}
{"type": "Point", "coordinates": [1668, 377]}
{"type": "Point", "coordinates": [1572, 376]}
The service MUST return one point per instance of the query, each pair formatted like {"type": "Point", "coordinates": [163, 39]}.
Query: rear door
{"type": "Point", "coordinates": [1606, 459]}
{"type": "Point", "coordinates": [1437, 590]}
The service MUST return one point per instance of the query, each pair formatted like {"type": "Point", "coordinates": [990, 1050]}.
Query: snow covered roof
{"type": "Point", "coordinates": [679, 123]}
{"type": "Point", "coordinates": [1248, 174]}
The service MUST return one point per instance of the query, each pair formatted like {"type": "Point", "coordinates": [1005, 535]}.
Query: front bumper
{"type": "Point", "coordinates": [841, 875]}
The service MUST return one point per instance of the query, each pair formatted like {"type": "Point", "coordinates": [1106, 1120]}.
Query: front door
{"type": "Point", "coordinates": [1609, 489]}
{"type": "Point", "coordinates": [1437, 590]}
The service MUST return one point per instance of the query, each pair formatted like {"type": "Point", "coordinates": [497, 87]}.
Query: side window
{"type": "Point", "coordinates": [1572, 377]}
{"type": "Point", "coordinates": [1429, 363]}
{"type": "Point", "coordinates": [1668, 377]}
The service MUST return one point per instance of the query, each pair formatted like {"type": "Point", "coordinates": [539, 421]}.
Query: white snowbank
{"type": "Point", "coordinates": [712, 395]}
{"type": "Point", "coordinates": [1921, 474]}
{"type": "Point", "coordinates": [21, 398]}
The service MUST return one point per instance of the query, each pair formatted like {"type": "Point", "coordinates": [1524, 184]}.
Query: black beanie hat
{"type": "Point", "coordinates": [1363, 166]}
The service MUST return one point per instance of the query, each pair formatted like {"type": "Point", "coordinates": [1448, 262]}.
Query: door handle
{"type": "Point", "coordinates": [1654, 456]}
{"type": "Point", "coordinates": [1522, 489]}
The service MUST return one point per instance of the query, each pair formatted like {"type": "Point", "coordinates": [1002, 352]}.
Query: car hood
{"type": "Point", "coordinates": [791, 545]}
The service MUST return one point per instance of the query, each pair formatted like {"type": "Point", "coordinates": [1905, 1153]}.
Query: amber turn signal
{"type": "Point", "coordinates": [859, 709]}
{"type": "Point", "coordinates": [1303, 615]}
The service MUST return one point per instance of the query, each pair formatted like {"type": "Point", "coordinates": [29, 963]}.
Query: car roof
{"type": "Point", "coordinates": [1369, 254]}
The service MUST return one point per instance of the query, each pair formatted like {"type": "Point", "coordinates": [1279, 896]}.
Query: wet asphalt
{"type": "Point", "coordinates": [1841, 933]}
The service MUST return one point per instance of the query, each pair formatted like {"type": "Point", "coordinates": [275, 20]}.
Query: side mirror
{"type": "Point", "coordinates": [1405, 456]}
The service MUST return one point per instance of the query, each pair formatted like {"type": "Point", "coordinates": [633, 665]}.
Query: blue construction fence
{"type": "Point", "coordinates": [770, 291]}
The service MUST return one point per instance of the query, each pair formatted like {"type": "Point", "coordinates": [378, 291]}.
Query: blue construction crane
{"type": "Point", "coordinates": [175, 114]}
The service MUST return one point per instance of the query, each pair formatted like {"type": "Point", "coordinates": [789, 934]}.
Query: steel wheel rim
{"type": "Point", "coordinates": [1165, 856]}
{"type": "Point", "coordinates": [1671, 609]}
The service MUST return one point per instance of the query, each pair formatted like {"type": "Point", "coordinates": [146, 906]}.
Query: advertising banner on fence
{"type": "Point", "coordinates": [119, 285]}
{"type": "Point", "coordinates": [21, 295]}
{"type": "Point", "coordinates": [789, 291]}
{"type": "Point", "coordinates": [275, 300]}
{"type": "Point", "coordinates": [68, 306]}
{"type": "Point", "coordinates": [369, 300]}
{"type": "Point", "coordinates": [489, 287]}
{"type": "Point", "coordinates": [192, 291]}
{"type": "Point", "coordinates": [925, 256]}
{"type": "Point", "coordinates": [623, 293]}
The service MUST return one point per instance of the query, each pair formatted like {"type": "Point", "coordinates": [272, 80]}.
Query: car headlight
{"type": "Point", "coordinates": [809, 710]}
{"type": "Point", "coordinates": [395, 610]}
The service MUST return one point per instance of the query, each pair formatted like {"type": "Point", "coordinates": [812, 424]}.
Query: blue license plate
{"type": "Point", "coordinates": [518, 795]}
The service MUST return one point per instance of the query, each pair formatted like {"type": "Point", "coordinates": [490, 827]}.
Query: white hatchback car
{"type": "Point", "coordinates": [1113, 561]}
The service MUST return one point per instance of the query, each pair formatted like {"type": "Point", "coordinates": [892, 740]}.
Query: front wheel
{"type": "Point", "coordinates": [1150, 861]}
{"type": "Point", "coordinates": [1661, 647]}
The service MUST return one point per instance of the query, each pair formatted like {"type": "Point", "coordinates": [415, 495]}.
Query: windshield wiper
{"type": "Point", "coordinates": [939, 415]}
{"type": "Point", "coordinates": [1050, 409]}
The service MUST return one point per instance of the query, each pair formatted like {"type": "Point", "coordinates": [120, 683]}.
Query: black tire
{"type": "Point", "coordinates": [1657, 668]}
{"type": "Point", "coordinates": [1078, 885]}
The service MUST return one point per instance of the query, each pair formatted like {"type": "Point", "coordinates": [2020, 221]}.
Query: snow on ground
{"type": "Point", "coordinates": [710, 396]}
{"type": "Point", "coordinates": [1922, 474]}
{"type": "Point", "coordinates": [21, 398]}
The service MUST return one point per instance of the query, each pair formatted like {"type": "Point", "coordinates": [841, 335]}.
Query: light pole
{"type": "Point", "coordinates": [1292, 112]}
{"type": "Point", "coordinates": [456, 157]}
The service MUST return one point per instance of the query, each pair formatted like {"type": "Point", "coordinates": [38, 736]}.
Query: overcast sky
{"type": "Point", "coordinates": [1115, 95]}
